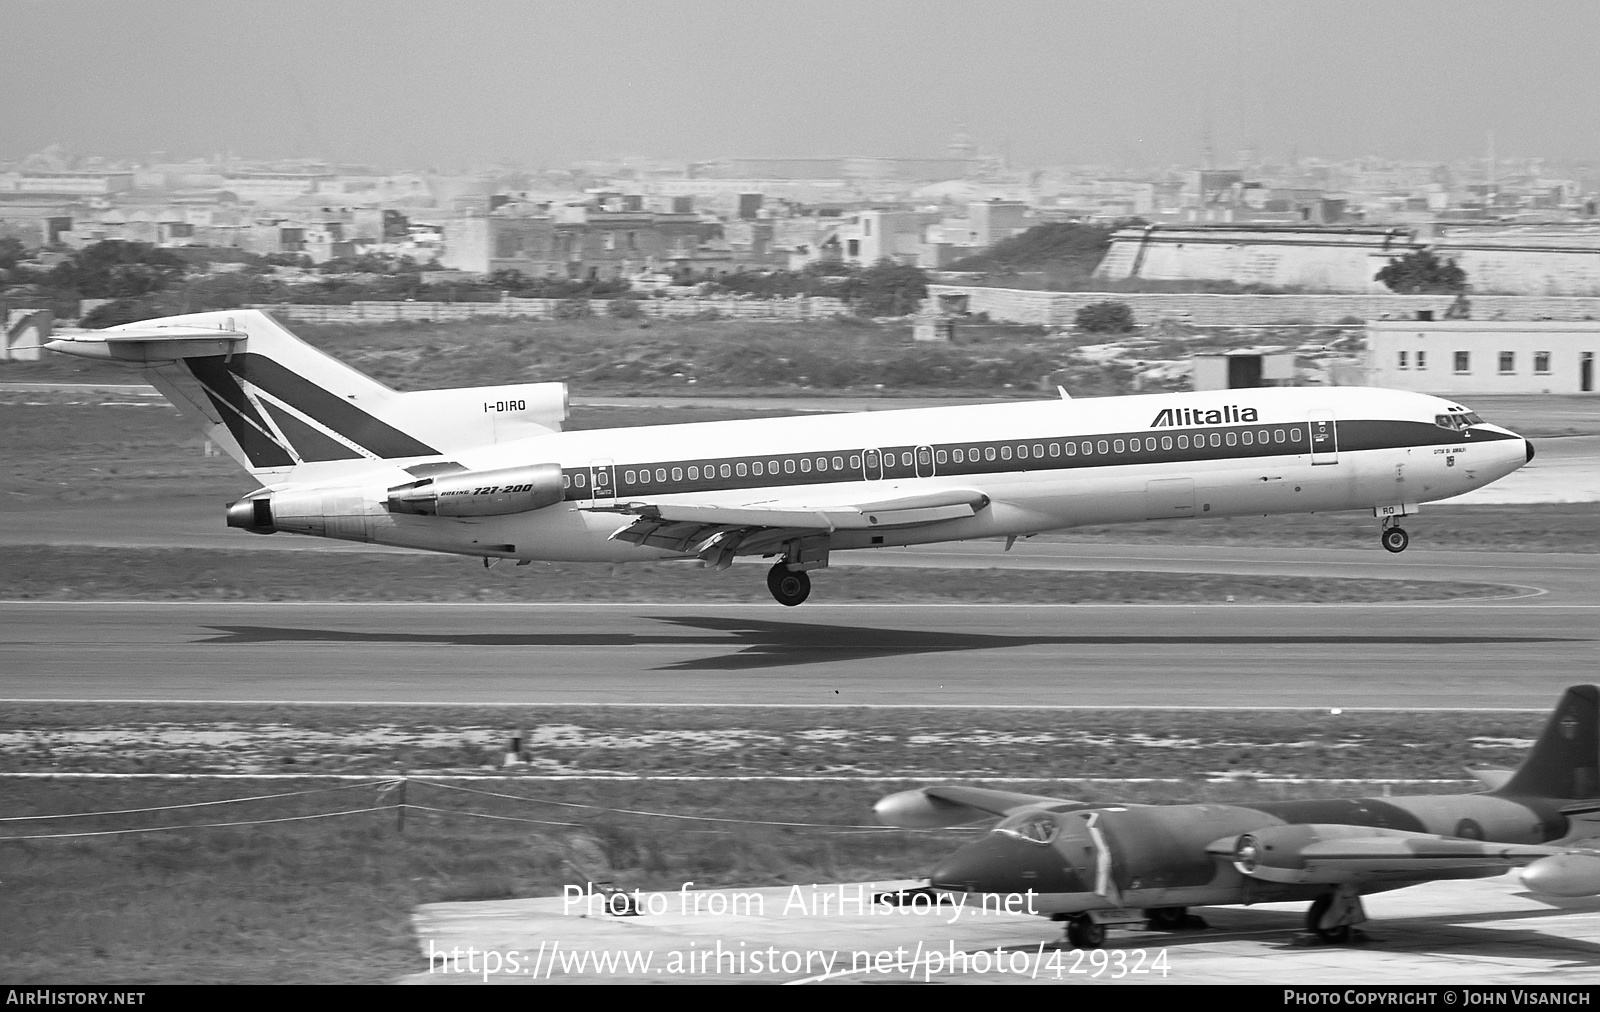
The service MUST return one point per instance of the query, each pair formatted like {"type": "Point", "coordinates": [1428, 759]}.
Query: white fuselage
{"type": "Point", "coordinates": [1041, 466]}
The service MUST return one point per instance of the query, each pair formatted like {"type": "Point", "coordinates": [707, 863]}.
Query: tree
{"type": "Point", "coordinates": [1422, 273]}
{"type": "Point", "coordinates": [119, 270]}
{"type": "Point", "coordinates": [1104, 318]}
{"type": "Point", "coordinates": [888, 288]}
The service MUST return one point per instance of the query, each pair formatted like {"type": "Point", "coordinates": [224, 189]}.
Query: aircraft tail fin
{"type": "Point", "coordinates": [285, 410]}
{"type": "Point", "coordinates": [1565, 761]}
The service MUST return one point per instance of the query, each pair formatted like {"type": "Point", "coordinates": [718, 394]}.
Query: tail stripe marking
{"type": "Point", "coordinates": [325, 408]}
{"type": "Point", "coordinates": [236, 411]}
{"type": "Point", "coordinates": [308, 442]}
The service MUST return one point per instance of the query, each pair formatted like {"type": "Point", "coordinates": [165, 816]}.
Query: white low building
{"type": "Point", "coordinates": [1483, 356]}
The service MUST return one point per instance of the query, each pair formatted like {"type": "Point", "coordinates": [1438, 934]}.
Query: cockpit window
{"type": "Point", "coordinates": [1457, 420]}
{"type": "Point", "coordinates": [1034, 827]}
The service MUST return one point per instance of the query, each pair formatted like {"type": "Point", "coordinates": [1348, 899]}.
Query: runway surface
{"type": "Point", "coordinates": [1513, 655]}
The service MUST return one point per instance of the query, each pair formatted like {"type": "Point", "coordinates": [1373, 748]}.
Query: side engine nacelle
{"type": "Point", "coordinates": [480, 493]}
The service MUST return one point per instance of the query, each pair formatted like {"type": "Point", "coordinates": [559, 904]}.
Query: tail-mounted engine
{"type": "Point", "coordinates": [480, 493]}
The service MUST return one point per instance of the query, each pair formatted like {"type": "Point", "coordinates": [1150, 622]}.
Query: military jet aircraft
{"type": "Point", "coordinates": [1099, 865]}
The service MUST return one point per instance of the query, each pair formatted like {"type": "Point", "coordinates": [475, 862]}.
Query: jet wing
{"type": "Point", "coordinates": [716, 532]}
{"type": "Point", "coordinates": [934, 807]}
{"type": "Point", "coordinates": [1356, 855]}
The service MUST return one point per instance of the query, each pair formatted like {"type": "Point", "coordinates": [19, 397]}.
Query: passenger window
{"type": "Point", "coordinates": [822, 463]}
{"type": "Point", "coordinates": [1072, 449]}
{"type": "Point", "coordinates": [805, 465]}
{"type": "Point", "coordinates": [1233, 438]}
{"type": "Point", "coordinates": [1261, 437]}
{"type": "Point", "coordinates": [724, 470]}
{"type": "Point", "coordinates": [959, 455]}
{"type": "Point", "coordinates": [1277, 435]}
{"type": "Point", "coordinates": [1294, 435]}
{"type": "Point", "coordinates": [788, 466]}
{"type": "Point", "coordinates": [628, 477]}
{"type": "Point", "coordinates": [600, 478]}
{"type": "Point", "coordinates": [579, 480]}
{"type": "Point", "coordinates": [677, 473]}
{"type": "Point", "coordinates": [905, 459]}
{"type": "Point", "coordinates": [756, 468]}
{"type": "Point", "coordinates": [1150, 443]}
{"type": "Point", "coordinates": [1183, 442]}
{"type": "Point", "coordinates": [988, 453]}
{"type": "Point", "coordinates": [1038, 450]}
{"type": "Point", "coordinates": [940, 457]}
{"type": "Point", "coordinates": [1005, 452]}
{"type": "Point", "coordinates": [1247, 436]}
{"type": "Point", "coordinates": [1022, 452]}
{"type": "Point", "coordinates": [1105, 447]}
{"type": "Point", "coordinates": [694, 474]}
{"type": "Point", "coordinates": [1055, 449]}
{"type": "Point", "coordinates": [740, 470]}
{"type": "Point", "coordinates": [1117, 446]}
{"type": "Point", "coordinates": [1088, 447]}
{"type": "Point", "coordinates": [855, 462]}
{"type": "Point", "coordinates": [772, 467]}
{"type": "Point", "coordinates": [1216, 439]}
{"type": "Point", "coordinates": [1166, 442]}
{"type": "Point", "coordinates": [661, 474]}
{"type": "Point", "coordinates": [566, 481]}
{"type": "Point", "coordinates": [838, 463]}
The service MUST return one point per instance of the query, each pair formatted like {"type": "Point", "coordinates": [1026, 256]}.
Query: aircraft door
{"type": "Point", "coordinates": [1324, 438]}
{"type": "Point", "coordinates": [871, 465]}
{"type": "Point", "coordinates": [925, 465]}
{"type": "Point", "coordinates": [602, 481]}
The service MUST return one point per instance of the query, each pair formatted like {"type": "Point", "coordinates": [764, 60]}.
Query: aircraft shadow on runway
{"type": "Point", "coordinates": [757, 643]}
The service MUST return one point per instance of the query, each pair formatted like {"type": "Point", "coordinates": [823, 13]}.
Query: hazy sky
{"type": "Point", "coordinates": [456, 83]}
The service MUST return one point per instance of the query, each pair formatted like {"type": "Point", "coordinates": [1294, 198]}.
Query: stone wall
{"type": "Point", "coordinates": [550, 309]}
{"type": "Point", "coordinates": [1057, 309]}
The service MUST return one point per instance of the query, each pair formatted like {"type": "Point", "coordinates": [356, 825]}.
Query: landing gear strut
{"type": "Point", "coordinates": [1083, 932]}
{"type": "Point", "coordinates": [789, 587]}
{"type": "Point", "coordinates": [1394, 538]}
{"type": "Point", "coordinates": [1333, 916]}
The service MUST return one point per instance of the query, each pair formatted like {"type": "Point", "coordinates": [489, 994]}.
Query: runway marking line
{"type": "Point", "coordinates": [768, 607]}
{"type": "Point", "coordinates": [789, 706]}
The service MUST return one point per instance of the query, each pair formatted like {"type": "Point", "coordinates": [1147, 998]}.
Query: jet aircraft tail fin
{"type": "Point", "coordinates": [286, 411]}
{"type": "Point", "coordinates": [1565, 761]}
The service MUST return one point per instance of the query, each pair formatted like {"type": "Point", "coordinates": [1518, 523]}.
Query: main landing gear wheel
{"type": "Point", "coordinates": [1395, 539]}
{"type": "Point", "coordinates": [789, 587]}
{"type": "Point", "coordinates": [1167, 918]}
{"type": "Point", "coordinates": [1337, 935]}
{"type": "Point", "coordinates": [1084, 933]}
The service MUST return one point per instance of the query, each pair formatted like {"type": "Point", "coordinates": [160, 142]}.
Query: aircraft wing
{"type": "Point", "coordinates": [1356, 855]}
{"type": "Point", "coordinates": [934, 807]}
{"type": "Point", "coordinates": [716, 532]}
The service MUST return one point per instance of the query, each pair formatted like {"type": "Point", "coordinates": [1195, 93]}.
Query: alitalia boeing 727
{"type": "Point", "coordinates": [487, 471]}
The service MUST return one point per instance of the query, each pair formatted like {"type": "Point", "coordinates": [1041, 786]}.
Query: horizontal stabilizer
{"type": "Point", "coordinates": [149, 345]}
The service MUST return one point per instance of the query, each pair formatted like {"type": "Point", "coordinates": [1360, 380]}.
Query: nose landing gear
{"type": "Point", "coordinates": [1395, 539]}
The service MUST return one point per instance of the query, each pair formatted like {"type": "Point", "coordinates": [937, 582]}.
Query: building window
{"type": "Point", "coordinates": [1403, 357]}
{"type": "Point", "coordinates": [1422, 359]}
{"type": "Point", "coordinates": [1463, 361]}
{"type": "Point", "coordinates": [1541, 362]}
{"type": "Point", "coordinates": [854, 248]}
{"type": "Point", "coordinates": [1508, 361]}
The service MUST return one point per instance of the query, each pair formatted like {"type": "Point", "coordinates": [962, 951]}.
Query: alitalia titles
{"type": "Point", "coordinates": [1174, 417]}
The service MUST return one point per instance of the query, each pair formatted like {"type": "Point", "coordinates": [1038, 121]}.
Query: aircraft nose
{"type": "Point", "coordinates": [1004, 864]}
{"type": "Point", "coordinates": [1530, 450]}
